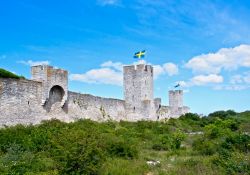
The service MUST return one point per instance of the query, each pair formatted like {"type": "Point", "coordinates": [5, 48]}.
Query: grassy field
{"type": "Point", "coordinates": [216, 144]}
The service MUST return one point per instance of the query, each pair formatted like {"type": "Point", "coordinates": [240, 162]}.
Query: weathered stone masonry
{"type": "Point", "coordinates": [46, 96]}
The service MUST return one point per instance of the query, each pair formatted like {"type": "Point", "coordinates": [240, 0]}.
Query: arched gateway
{"type": "Point", "coordinates": [54, 85]}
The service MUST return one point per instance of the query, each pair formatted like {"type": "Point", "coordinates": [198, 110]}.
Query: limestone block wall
{"type": "Point", "coordinates": [95, 108]}
{"type": "Point", "coordinates": [163, 113]}
{"type": "Point", "coordinates": [19, 102]}
{"type": "Point", "coordinates": [177, 112]}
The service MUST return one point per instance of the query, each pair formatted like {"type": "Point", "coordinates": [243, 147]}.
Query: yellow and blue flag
{"type": "Point", "coordinates": [140, 54]}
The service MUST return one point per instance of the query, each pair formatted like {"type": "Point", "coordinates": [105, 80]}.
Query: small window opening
{"type": "Point", "coordinates": [134, 108]}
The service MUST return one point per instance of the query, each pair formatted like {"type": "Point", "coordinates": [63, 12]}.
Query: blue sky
{"type": "Point", "coordinates": [203, 45]}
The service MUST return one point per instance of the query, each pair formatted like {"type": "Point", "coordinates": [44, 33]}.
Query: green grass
{"type": "Point", "coordinates": [6, 74]}
{"type": "Point", "coordinates": [123, 148]}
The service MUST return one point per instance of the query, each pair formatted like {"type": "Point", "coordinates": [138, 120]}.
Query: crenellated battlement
{"type": "Point", "coordinates": [138, 68]}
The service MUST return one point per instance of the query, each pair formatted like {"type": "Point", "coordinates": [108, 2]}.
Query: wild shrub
{"type": "Point", "coordinates": [232, 162]}
{"type": "Point", "coordinates": [238, 141]}
{"type": "Point", "coordinates": [168, 141]}
{"type": "Point", "coordinates": [222, 114]}
{"type": "Point", "coordinates": [119, 147]}
{"type": "Point", "coordinates": [205, 147]}
{"type": "Point", "coordinates": [84, 157]}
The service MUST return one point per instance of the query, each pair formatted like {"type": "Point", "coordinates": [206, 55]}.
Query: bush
{"type": "Point", "coordinates": [240, 142]}
{"type": "Point", "coordinates": [178, 137]}
{"type": "Point", "coordinates": [120, 148]}
{"type": "Point", "coordinates": [205, 147]}
{"type": "Point", "coordinates": [85, 157]}
{"type": "Point", "coordinates": [232, 162]}
{"type": "Point", "coordinates": [222, 114]}
{"type": "Point", "coordinates": [190, 116]}
{"type": "Point", "coordinates": [169, 141]}
{"type": "Point", "coordinates": [162, 142]}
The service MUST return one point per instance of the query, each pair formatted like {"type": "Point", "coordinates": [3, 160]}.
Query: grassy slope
{"type": "Point", "coordinates": [6, 74]}
{"type": "Point", "coordinates": [111, 148]}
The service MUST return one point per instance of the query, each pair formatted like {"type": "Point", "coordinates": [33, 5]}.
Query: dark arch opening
{"type": "Point", "coordinates": [56, 94]}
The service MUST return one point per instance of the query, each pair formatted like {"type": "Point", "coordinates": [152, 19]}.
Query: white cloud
{"type": "Point", "coordinates": [236, 79]}
{"type": "Point", "coordinates": [237, 82]}
{"type": "Point", "coordinates": [239, 79]}
{"type": "Point", "coordinates": [158, 70]}
{"type": "Point", "coordinates": [224, 59]}
{"type": "Point", "coordinates": [232, 87]}
{"type": "Point", "coordinates": [206, 79]}
{"type": "Point", "coordinates": [100, 76]}
{"type": "Point", "coordinates": [107, 2]}
{"type": "Point", "coordinates": [201, 80]}
{"type": "Point", "coordinates": [34, 63]}
{"type": "Point", "coordinates": [182, 83]}
{"type": "Point", "coordinates": [246, 78]}
{"type": "Point", "coordinates": [110, 64]}
{"type": "Point", "coordinates": [171, 69]}
{"type": "Point", "coordinates": [167, 68]}
{"type": "Point", "coordinates": [112, 72]}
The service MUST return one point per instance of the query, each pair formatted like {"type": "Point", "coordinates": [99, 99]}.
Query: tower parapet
{"type": "Point", "coordinates": [53, 80]}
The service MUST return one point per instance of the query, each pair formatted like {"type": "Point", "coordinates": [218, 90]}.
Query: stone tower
{"type": "Point", "coordinates": [54, 84]}
{"type": "Point", "coordinates": [176, 98]}
{"type": "Point", "coordinates": [176, 104]}
{"type": "Point", "coordinates": [138, 91]}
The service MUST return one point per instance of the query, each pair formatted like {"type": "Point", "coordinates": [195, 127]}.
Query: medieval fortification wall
{"type": "Point", "coordinates": [46, 96]}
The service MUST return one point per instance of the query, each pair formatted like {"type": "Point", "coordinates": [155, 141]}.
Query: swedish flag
{"type": "Point", "coordinates": [140, 54]}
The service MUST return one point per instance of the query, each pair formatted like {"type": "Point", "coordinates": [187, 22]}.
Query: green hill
{"type": "Point", "coordinates": [217, 144]}
{"type": "Point", "coordinates": [6, 74]}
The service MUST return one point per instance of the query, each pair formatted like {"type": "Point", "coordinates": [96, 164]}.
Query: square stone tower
{"type": "Point", "coordinates": [176, 98]}
{"type": "Point", "coordinates": [138, 91]}
{"type": "Point", "coordinates": [176, 104]}
{"type": "Point", "coordinates": [53, 80]}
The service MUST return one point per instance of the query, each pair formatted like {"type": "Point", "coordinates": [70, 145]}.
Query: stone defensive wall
{"type": "Point", "coordinates": [46, 96]}
{"type": "Point", "coordinates": [20, 103]}
{"type": "Point", "coordinates": [95, 108]}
